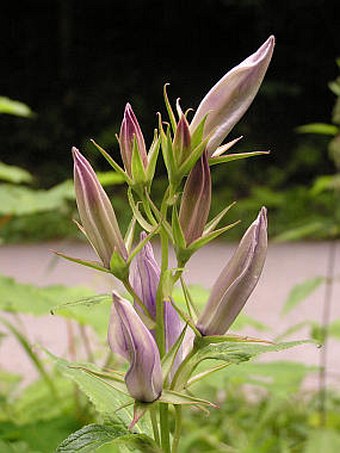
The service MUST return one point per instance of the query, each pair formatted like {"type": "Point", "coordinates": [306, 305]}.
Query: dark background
{"type": "Point", "coordinates": [77, 62]}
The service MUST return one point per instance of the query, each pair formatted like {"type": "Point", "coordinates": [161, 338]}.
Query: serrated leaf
{"type": "Point", "coordinates": [90, 437]}
{"type": "Point", "coordinates": [238, 352]}
{"type": "Point", "coordinates": [300, 292]}
{"type": "Point", "coordinates": [104, 396]}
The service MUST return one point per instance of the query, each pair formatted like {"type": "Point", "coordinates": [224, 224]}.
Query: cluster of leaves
{"type": "Point", "coordinates": [260, 404]}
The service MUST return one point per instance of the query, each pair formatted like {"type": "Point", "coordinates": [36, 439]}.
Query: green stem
{"type": "Point", "coordinates": [178, 428]}
{"type": "Point", "coordinates": [160, 331]}
{"type": "Point", "coordinates": [154, 423]}
{"type": "Point", "coordinates": [164, 422]}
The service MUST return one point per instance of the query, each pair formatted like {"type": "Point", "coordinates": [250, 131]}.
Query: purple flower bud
{"type": "Point", "coordinates": [129, 132]}
{"type": "Point", "coordinates": [237, 280]}
{"type": "Point", "coordinates": [145, 279]}
{"type": "Point", "coordinates": [182, 141]}
{"type": "Point", "coordinates": [230, 98]}
{"type": "Point", "coordinates": [96, 213]}
{"type": "Point", "coordinates": [128, 337]}
{"type": "Point", "coordinates": [196, 200]}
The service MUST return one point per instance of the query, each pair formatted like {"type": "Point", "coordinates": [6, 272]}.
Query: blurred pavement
{"type": "Point", "coordinates": [286, 265]}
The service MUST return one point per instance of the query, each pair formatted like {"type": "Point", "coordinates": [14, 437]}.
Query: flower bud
{"type": "Point", "coordinates": [130, 131]}
{"type": "Point", "coordinates": [129, 337]}
{"type": "Point", "coordinates": [237, 280]}
{"type": "Point", "coordinates": [182, 141]}
{"type": "Point", "coordinates": [96, 213]}
{"type": "Point", "coordinates": [196, 200]}
{"type": "Point", "coordinates": [145, 279]}
{"type": "Point", "coordinates": [230, 98]}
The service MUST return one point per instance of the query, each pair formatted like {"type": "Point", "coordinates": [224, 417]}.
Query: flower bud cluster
{"type": "Point", "coordinates": [153, 331]}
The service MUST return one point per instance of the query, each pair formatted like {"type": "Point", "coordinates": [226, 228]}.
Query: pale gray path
{"type": "Point", "coordinates": [286, 266]}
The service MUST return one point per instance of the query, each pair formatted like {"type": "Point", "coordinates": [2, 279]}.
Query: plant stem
{"type": "Point", "coordinates": [154, 423]}
{"type": "Point", "coordinates": [178, 428]}
{"type": "Point", "coordinates": [160, 331]}
{"type": "Point", "coordinates": [164, 423]}
{"type": "Point", "coordinates": [326, 316]}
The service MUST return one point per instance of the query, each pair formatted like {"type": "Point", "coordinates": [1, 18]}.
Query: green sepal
{"type": "Point", "coordinates": [235, 156]}
{"type": "Point", "coordinates": [142, 243]}
{"type": "Point", "coordinates": [92, 264]}
{"type": "Point", "coordinates": [206, 373]}
{"type": "Point", "coordinates": [190, 162]}
{"type": "Point", "coordinates": [171, 114]}
{"type": "Point", "coordinates": [152, 158]}
{"type": "Point", "coordinates": [173, 397]}
{"type": "Point", "coordinates": [179, 239]}
{"type": "Point", "coordinates": [139, 410]}
{"type": "Point", "coordinates": [138, 171]}
{"type": "Point", "coordinates": [197, 135]}
{"type": "Point", "coordinates": [167, 149]}
{"type": "Point", "coordinates": [130, 234]}
{"type": "Point", "coordinates": [206, 238]}
{"type": "Point", "coordinates": [140, 219]}
{"type": "Point", "coordinates": [119, 267]}
{"type": "Point", "coordinates": [169, 358]}
{"type": "Point", "coordinates": [113, 164]}
{"type": "Point", "coordinates": [210, 226]}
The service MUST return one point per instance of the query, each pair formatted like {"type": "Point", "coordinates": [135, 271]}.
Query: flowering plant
{"type": "Point", "coordinates": [162, 342]}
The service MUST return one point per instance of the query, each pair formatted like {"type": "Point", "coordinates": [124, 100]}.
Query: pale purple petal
{"type": "Point", "coordinates": [237, 280]}
{"type": "Point", "coordinates": [95, 210]}
{"type": "Point", "coordinates": [230, 98]}
{"type": "Point", "coordinates": [129, 338]}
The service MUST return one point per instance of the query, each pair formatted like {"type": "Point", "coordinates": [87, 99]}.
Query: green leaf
{"type": "Point", "coordinates": [323, 440]}
{"type": "Point", "coordinates": [300, 292]}
{"type": "Point", "coordinates": [238, 352]}
{"type": "Point", "coordinates": [17, 200]}
{"type": "Point", "coordinates": [110, 178]}
{"type": "Point", "coordinates": [15, 175]}
{"type": "Point", "coordinates": [25, 298]}
{"type": "Point", "coordinates": [16, 108]}
{"type": "Point", "coordinates": [298, 233]}
{"type": "Point", "coordinates": [103, 394]}
{"type": "Point", "coordinates": [318, 128]}
{"type": "Point", "coordinates": [91, 437]}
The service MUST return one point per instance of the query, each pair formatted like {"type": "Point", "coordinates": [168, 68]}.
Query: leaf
{"type": "Point", "coordinates": [238, 352]}
{"type": "Point", "coordinates": [16, 108]}
{"type": "Point", "coordinates": [110, 178]}
{"type": "Point", "coordinates": [302, 232]}
{"type": "Point", "coordinates": [15, 175]}
{"type": "Point", "coordinates": [318, 128]}
{"type": "Point", "coordinates": [323, 440]}
{"type": "Point", "coordinates": [106, 398]}
{"type": "Point", "coordinates": [25, 298]}
{"type": "Point", "coordinates": [300, 292]}
{"type": "Point", "coordinates": [17, 200]}
{"type": "Point", "coordinates": [90, 437]}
